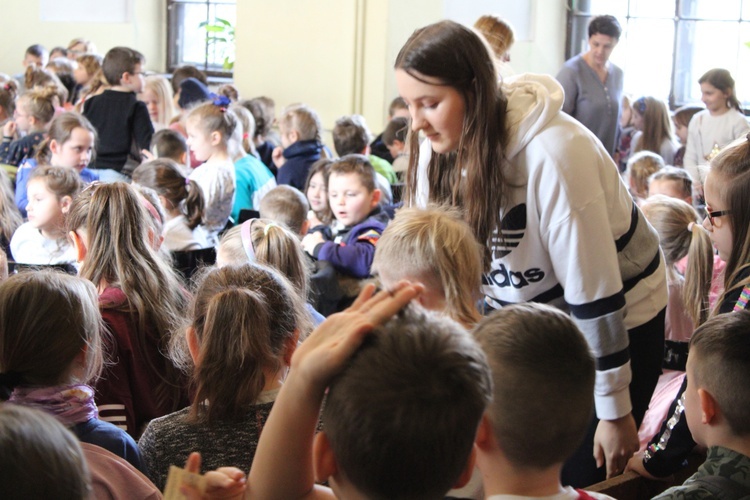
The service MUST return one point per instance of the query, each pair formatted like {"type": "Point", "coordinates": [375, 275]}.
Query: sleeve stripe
{"type": "Point", "coordinates": [544, 298]}
{"type": "Point", "coordinates": [599, 307]}
{"type": "Point", "coordinates": [648, 271]}
{"type": "Point", "coordinates": [614, 360]}
{"type": "Point", "coordinates": [623, 240]}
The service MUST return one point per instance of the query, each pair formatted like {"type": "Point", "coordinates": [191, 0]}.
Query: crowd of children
{"type": "Point", "coordinates": [280, 360]}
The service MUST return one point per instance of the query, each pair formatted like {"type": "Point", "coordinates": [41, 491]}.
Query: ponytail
{"type": "Point", "coordinates": [698, 274]}
{"type": "Point", "coordinates": [194, 203]}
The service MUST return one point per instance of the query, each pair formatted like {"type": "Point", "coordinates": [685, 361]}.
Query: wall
{"type": "Point", "coordinates": [22, 27]}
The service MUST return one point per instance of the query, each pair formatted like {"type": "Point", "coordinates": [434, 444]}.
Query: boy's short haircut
{"type": "Point", "coordinates": [350, 135]}
{"type": "Point", "coordinates": [37, 50]}
{"type": "Point", "coordinates": [721, 350]}
{"type": "Point", "coordinates": [120, 60]}
{"type": "Point", "coordinates": [355, 164]}
{"type": "Point", "coordinates": [641, 166]}
{"type": "Point", "coordinates": [680, 176]}
{"type": "Point", "coordinates": [170, 144]}
{"type": "Point", "coordinates": [401, 418]}
{"type": "Point", "coordinates": [396, 129]}
{"type": "Point", "coordinates": [304, 120]}
{"type": "Point", "coordinates": [287, 205]}
{"type": "Point", "coordinates": [543, 377]}
{"type": "Point", "coordinates": [396, 104]}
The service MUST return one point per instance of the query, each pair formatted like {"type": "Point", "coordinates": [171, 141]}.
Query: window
{"type": "Point", "coordinates": [201, 33]}
{"type": "Point", "coordinates": [667, 45]}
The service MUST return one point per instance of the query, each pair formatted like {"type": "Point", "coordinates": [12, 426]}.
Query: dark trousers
{"type": "Point", "coordinates": [646, 354]}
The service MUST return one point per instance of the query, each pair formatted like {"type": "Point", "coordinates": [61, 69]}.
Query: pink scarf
{"type": "Point", "coordinates": [70, 404]}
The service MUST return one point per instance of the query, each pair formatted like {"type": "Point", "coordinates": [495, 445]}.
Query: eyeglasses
{"type": "Point", "coordinates": [714, 214]}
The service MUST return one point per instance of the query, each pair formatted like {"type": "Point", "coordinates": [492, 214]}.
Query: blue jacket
{"type": "Point", "coordinates": [354, 254]}
{"type": "Point", "coordinates": [299, 157]}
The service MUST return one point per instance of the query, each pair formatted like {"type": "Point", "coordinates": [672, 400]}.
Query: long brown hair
{"type": "Point", "coordinates": [245, 319]}
{"type": "Point", "coordinates": [118, 253]}
{"type": "Point", "coordinates": [657, 124]}
{"type": "Point", "coordinates": [457, 57]}
{"type": "Point", "coordinates": [166, 178]}
{"type": "Point", "coordinates": [732, 165]}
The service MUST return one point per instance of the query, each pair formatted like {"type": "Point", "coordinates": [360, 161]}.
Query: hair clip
{"type": "Point", "coordinates": [222, 102]}
{"type": "Point", "coordinates": [640, 105]}
{"type": "Point", "coordinates": [187, 181]}
{"type": "Point", "coordinates": [151, 209]}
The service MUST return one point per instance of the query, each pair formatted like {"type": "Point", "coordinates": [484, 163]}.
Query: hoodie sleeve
{"type": "Point", "coordinates": [354, 257]}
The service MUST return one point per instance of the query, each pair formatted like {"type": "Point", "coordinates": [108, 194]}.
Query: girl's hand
{"type": "Point", "coordinates": [9, 129]}
{"type": "Point", "coordinates": [311, 240]}
{"type": "Point", "coordinates": [314, 221]}
{"type": "Point", "coordinates": [278, 156]}
{"type": "Point", "coordinates": [225, 482]}
{"type": "Point", "coordinates": [147, 155]}
{"type": "Point", "coordinates": [325, 352]}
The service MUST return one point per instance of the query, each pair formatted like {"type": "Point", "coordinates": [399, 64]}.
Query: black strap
{"type": "Point", "coordinates": [722, 487]}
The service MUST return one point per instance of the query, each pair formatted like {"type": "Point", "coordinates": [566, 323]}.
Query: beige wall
{"type": "Point", "coordinates": [22, 27]}
{"type": "Point", "coordinates": [335, 55]}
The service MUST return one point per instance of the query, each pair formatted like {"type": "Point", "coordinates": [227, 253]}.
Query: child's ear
{"type": "Point", "coordinates": [65, 203]}
{"type": "Point", "coordinates": [192, 343]}
{"type": "Point", "coordinates": [54, 147]}
{"type": "Point", "coordinates": [78, 245]}
{"type": "Point", "coordinates": [183, 158]}
{"type": "Point", "coordinates": [293, 136]}
{"type": "Point", "coordinates": [376, 195]}
{"type": "Point", "coordinates": [305, 227]}
{"type": "Point", "coordinates": [324, 462]}
{"type": "Point", "coordinates": [215, 138]}
{"type": "Point", "coordinates": [709, 408]}
{"type": "Point", "coordinates": [485, 437]}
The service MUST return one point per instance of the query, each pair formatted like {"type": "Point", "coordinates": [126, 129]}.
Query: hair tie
{"type": "Point", "coordinates": [9, 381]}
{"type": "Point", "coordinates": [269, 226]}
{"type": "Point", "coordinates": [245, 135]}
{"type": "Point", "coordinates": [247, 239]}
{"type": "Point", "coordinates": [151, 209]}
{"type": "Point", "coordinates": [691, 226]}
{"type": "Point", "coordinates": [187, 181]}
{"type": "Point", "coordinates": [7, 86]}
{"type": "Point", "coordinates": [222, 102]}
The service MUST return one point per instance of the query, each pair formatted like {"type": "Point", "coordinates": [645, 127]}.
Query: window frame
{"type": "Point", "coordinates": [579, 13]}
{"type": "Point", "coordinates": [173, 32]}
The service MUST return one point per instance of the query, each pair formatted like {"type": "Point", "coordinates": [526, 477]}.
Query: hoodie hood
{"type": "Point", "coordinates": [533, 100]}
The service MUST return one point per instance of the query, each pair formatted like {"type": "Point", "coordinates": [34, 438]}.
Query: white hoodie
{"type": "Point", "coordinates": [571, 234]}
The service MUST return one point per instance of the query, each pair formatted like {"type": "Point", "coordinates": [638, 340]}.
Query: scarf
{"type": "Point", "coordinates": [70, 404]}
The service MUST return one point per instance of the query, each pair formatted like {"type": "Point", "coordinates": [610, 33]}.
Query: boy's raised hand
{"type": "Point", "coordinates": [325, 352]}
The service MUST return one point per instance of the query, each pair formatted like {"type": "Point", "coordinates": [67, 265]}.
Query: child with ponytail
{"type": "Point", "coordinates": [244, 324]}
{"type": "Point", "coordinates": [141, 301]}
{"type": "Point", "coordinates": [182, 199]}
{"type": "Point", "coordinates": [727, 194]}
{"type": "Point", "coordinates": [680, 235]}
{"type": "Point", "coordinates": [34, 111]}
{"type": "Point", "coordinates": [210, 127]}
{"type": "Point", "coordinates": [51, 355]}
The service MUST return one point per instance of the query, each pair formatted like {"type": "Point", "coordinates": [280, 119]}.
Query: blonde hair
{"type": "Point", "coordinates": [497, 32]}
{"type": "Point", "coordinates": [287, 205]}
{"type": "Point", "coordinates": [640, 167]}
{"type": "Point", "coordinates": [271, 244]}
{"type": "Point", "coordinates": [10, 217]}
{"type": "Point", "coordinates": [304, 120]}
{"type": "Point", "coordinates": [680, 235]}
{"type": "Point", "coordinates": [436, 246]}
{"type": "Point", "coordinates": [38, 102]}
{"type": "Point", "coordinates": [88, 44]}
{"type": "Point", "coordinates": [657, 124]}
{"type": "Point", "coordinates": [163, 91]}
{"type": "Point", "coordinates": [46, 320]}
{"type": "Point", "coordinates": [210, 117]}
{"type": "Point", "coordinates": [90, 62]}
{"type": "Point", "coordinates": [245, 133]}
{"type": "Point", "coordinates": [47, 83]}
{"type": "Point", "coordinates": [245, 319]}
{"type": "Point", "coordinates": [114, 221]}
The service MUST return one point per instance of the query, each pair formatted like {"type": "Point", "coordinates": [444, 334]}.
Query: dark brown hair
{"type": "Point", "coordinates": [402, 416]}
{"type": "Point", "coordinates": [723, 81]}
{"type": "Point", "coordinates": [164, 176]}
{"type": "Point", "coordinates": [350, 135]}
{"type": "Point", "coordinates": [322, 167]}
{"type": "Point", "coordinates": [539, 360]}
{"type": "Point", "coordinates": [120, 60]}
{"type": "Point", "coordinates": [355, 164]}
{"type": "Point", "coordinates": [245, 319]}
{"type": "Point", "coordinates": [472, 177]}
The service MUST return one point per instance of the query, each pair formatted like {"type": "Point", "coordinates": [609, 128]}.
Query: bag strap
{"type": "Point", "coordinates": [723, 488]}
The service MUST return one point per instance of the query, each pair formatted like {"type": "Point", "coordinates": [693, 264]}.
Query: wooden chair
{"type": "Point", "coordinates": [187, 262]}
